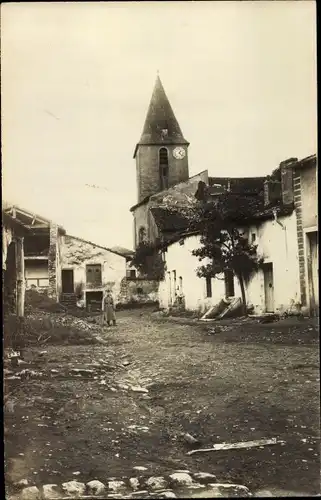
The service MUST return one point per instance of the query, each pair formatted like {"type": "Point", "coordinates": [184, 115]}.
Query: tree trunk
{"type": "Point", "coordinates": [241, 281]}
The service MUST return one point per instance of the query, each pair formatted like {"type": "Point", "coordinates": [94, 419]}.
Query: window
{"type": "Point", "coordinates": [253, 237]}
{"type": "Point", "coordinates": [208, 286]}
{"type": "Point", "coordinates": [93, 274]}
{"type": "Point", "coordinates": [163, 168]}
{"type": "Point", "coordinates": [132, 273]}
{"type": "Point", "coordinates": [140, 291]}
{"type": "Point", "coordinates": [229, 283]}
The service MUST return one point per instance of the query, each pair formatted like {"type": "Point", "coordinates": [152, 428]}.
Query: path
{"type": "Point", "coordinates": [92, 424]}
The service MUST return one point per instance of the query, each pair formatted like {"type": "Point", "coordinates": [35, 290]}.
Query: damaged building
{"type": "Point", "coordinates": [69, 269]}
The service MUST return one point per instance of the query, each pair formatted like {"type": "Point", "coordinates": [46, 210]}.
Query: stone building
{"type": "Point", "coordinates": [306, 206]}
{"type": "Point", "coordinates": [71, 270]}
{"type": "Point", "coordinates": [274, 212]}
{"type": "Point", "coordinates": [161, 161]}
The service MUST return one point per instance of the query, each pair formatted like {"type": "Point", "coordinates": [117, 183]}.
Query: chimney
{"type": "Point", "coordinates": [272, 191]}
{"type": "Point", "coordinates": [286, 168]}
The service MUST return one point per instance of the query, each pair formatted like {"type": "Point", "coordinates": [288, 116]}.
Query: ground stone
{"type": "Point", "coordinates": [116, 486]}
{"type": "Point", "coordinates": [50, 491]}
{"type": "Point", "coordinates": [223, 491]}
{"type": "Point", "coordinates": [134, 483]}
{"type": "Point", "coordinates": [30, 493]}
{"type": "Point", "coordinates": [22, 482]}
{"type": "Point", "coordinates": [96, 487]}
{"type": "Point", "coordinates": [205, 477]}
{"type": "Point", "coordinates": [156, 483]}
{"type": "Point", "coordinates": [181, 479]}
{"type": "Point", "coordinates": [166, 494]}
{"type": "Point", "coordinates": [73, 488]}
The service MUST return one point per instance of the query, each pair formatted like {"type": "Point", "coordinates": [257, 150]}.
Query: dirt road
{"type": "Point", "coordinates": [223, 387]}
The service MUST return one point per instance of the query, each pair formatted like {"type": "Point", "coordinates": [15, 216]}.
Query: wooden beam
{"type": "Point", "coordinates": [20, 266]}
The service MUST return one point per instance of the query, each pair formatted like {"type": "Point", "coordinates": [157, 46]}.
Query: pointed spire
{"type": "Point", "coordinates": [161, 125]}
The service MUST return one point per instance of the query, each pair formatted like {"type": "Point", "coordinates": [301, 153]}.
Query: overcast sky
{"type": "Point", "coordinates": [77, 79]}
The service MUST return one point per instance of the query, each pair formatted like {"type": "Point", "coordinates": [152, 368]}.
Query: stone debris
{"type": "Point", "coordinates": [196, 485]}
{"type": "Point", "coordinates": [30, 493]}
{"type": "Point", "coordinates": [206, 477]}
{"type": "Point", "coordinates": [116, 486]}
{"type": "Point", "coordinates": [134, 483]}
{"type": "Point", "coordinates": [139, 389]}
{"type": "Point", "coordinates": [181, 479]}
{"type": "Point", "coordinates": [156, 483]}
{"type": "Point", "coordinates": [74, 488]}
{"type": "Point", "coordinates": [22, 482]}
{"type": "Point", "coordinates": [96, 487]}
{"type": "Point", "coordinates": [139, 467]}
{"type": "Point", "coordinates": [50, 491]}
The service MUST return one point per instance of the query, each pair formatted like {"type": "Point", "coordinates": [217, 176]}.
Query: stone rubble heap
{"type": "Point", "coordinates": [179, 484]}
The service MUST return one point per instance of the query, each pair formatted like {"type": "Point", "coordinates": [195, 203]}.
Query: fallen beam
{"type": "Point", "coordinates": [236, 446]}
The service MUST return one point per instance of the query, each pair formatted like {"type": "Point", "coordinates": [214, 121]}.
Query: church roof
{"type": "Point", "coordinates": [161, 125]}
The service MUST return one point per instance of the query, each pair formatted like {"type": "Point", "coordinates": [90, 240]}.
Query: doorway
{"type": "Point", "coordinates": [67, 280]}
{"type": "Point", "coordinates": [268, 287]}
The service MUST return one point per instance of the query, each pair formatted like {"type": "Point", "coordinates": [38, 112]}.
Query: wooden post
{"type": "Point", "coordinates": [20, 263]}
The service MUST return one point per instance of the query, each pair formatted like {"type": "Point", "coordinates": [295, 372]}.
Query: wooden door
{"type": "Point", "coordinates": [268, 287]}
{"type": "Point", "coordinates": [67, 280]}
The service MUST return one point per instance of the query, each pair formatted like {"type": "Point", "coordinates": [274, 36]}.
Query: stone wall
{"type": "Point", "coordinates": [77, 253]}
{"type": "Point", "coordinates": [147, 169]}
{"type": "Point", "coordinates": [138, 291]}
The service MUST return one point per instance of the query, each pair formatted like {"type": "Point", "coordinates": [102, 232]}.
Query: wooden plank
{"type": "Point", "coordinates": [240, 445]}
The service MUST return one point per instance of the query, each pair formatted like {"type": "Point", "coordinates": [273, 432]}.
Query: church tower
{"type": "Point", "coordinates": [161, 153]}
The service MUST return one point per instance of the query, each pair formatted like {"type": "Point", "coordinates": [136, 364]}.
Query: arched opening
{"type": "Point", "coordinates": [163, 168]}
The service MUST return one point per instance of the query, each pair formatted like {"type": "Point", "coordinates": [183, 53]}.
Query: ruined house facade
{"type": "Point", "coordinates": [71, 270]}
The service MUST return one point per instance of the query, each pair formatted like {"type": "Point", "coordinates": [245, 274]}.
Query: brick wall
{"type": "Point", "coordinates": [300, 234]}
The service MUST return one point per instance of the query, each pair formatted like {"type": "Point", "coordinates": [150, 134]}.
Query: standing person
{"type": "Point", "coordinates": [109, 309]}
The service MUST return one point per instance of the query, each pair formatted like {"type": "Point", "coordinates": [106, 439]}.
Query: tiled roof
{"type": "Point", "coordinates": [238, 184]}
{"type": "Point", "coordinates": [160, 118]}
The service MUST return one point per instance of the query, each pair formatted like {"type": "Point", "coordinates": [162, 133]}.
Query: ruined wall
{"type": "Point", "coordinates": [76, 254]}
{"type": "Point", "coordinates": [143, 218]}
{"type": "Point", "coordinates": [139, 291]}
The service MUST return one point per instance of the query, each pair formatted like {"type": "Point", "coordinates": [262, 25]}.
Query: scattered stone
{"type": "Point", "coordinates": [30, 493]}
{"type": "Point", "coordinates": [77, 473]}
{"type": "Point", "coordinates": [139, 389]}
{"type": "Point", "coordinates": [224, 491]}
{"type": "Point", "coordinates": [22, 482]}
{"type": "Point", "coordinates": [156, 483]}
{"type": "Point", "coordinates": [166, 494]}
{"type": "Point", "coordinates": [96, 487]}
{"type": "Point", "coordinates": [53, 370]}
{"type": "Point", "coordinates": [139, 467]}
{"type": "Point", "coordinates": [50, 491]}
{"type": "Point", "coordinates": [183, 470]}
{"type": "Point", "coordinates": [116, 486]}
{"type": "Point", "coordinates": [82, 371]}
{"type": "Point", "coordinates": [134, 483]}
{"type": "Point", "coordinates": [73, 488]}
{"type": "Point", "coordinates": [190, 439]}
{"type": "Point", "coordinates": [181, 479]}
{"type": "Point", "coordinates": [205, 477]}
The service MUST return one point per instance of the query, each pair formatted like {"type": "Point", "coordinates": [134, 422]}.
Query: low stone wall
{"type": "Point", "coordinates": [138, 291]}
{"type": "Point", "coordinates": [179, 484]}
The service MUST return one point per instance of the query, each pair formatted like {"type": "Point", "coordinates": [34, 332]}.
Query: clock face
{"type": "Point", "coordinates": [179, 153]}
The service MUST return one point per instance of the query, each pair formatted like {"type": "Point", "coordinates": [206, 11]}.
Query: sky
{"type": "Point", "coordinates": [77, 79]}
